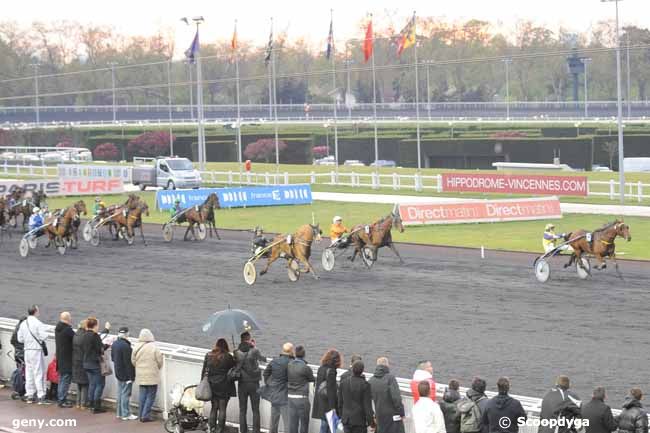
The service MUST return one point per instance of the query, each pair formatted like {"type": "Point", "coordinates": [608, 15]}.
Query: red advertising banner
{"type": "Point", "coordinates": [515, 184]}
{"type": "Point", "coordinates": [57, 187]}
{"type": "Point", "coordinates": [481, 211]}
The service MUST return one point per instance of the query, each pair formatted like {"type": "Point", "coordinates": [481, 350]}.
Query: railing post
{"type": "Point", "coordinates": [229, 177]}
{"type": "Point", "coordinates": [248, 177]}
{"type": "Point", "coordinates": [266, 178]}
{"type": "Point", "coordinates": [332, 178]}
{"type": "Point", "coordinates": [313, 178]}
{"type": "Point", "coordinates": [286, 178]}
{"type": "Point", "coordinates": [639, 186]}
{"type": "Point", "coordinates": [611, 189]}
{"type": "Point", "coordinates": [418, 182]}
{"type": "Point", "coordinates": [375, 181]}
{"type": "Point", "coordinates": [439, 183]}
{"type": "Point", "coordinates": [395, 182]}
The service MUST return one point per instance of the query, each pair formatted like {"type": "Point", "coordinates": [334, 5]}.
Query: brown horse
{"type": "Point", "coordinates": [61, 226]}
{"type": "Point", "coordinates": [210, 205]}
{"type": "Point", "coordinates": [295, 247]}
{"type": "Point", "coordinates": [601, 245]}
{"type": "Point", "coordinates": [24, 205]}
{"type": "Point", "coordinates": [3, 211]}
{"type": "Point", "coordinates": [377, 235]}
{"type": "Point", "coordinates": [201, 214]}
{"type": "Point", "coordinates": [131, 218]}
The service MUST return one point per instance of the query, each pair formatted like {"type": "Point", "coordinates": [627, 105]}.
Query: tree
{"type": "Point", "coordinates": [263, 149]}
{"type": "Point", "coordinates": [152, 143]}
{"type": "Point", "coordinates": [611, 147]}
{"type": "Point", "coordinates": [106, 152]}
{"type": "Point", "coordinates": [320, 151]}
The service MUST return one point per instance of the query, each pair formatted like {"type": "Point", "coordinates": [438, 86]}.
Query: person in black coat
{"type": "Point", "coordinates": [598, 414]}
{"type": "Point", "coordinates": [325, 397]}
{"type": "Point", "coordinates": [216, 365]}
{"type": "Point", "coordinates": [248, 358]}
{"type": "Point", "coordinates": [63, 335]}
{"type": "Point", "coordinates": [124, 373]}
{"type": "Point", "coordinates": [633, 418]}
{"type": "Point", "coordinates": [355, 401]}
{"type": "Point", "coordinates": [449, 407]}
{"type": "Point", "coordinates": [79, 376]}
{"type": "Point", "coordinates": [559, 402]}
{"type": "Point", "coordinates": [276, 391]}
{"type": "Point", "coordinates": [300, 375]}
{"type": "Point", "coordinates": [502, 412]}
{"type": "Point", "coordinates": [389, 409]}
{"type": "Point", "coordinates": [348, 372]}
{"type": "Point", "coordinates": [93, 353]}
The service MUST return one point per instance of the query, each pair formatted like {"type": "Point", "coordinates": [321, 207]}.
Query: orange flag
{"type": "Point", "coordinates": [368, 42]}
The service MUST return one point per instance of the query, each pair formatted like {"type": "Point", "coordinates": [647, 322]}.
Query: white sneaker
{"type": "Point", "coordinates": [132, 417]}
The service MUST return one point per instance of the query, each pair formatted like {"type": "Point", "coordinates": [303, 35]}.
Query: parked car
{"type": "Point", "coordinates": [354, 163]}
{"type": "Point", "coordinates": [600, 168]}
{"type": "Point", "coordinates": [328, 160]}
{"type": "Point", "coordinates": [168, 173]}
{"type": "Point", "coordinates": [383, 163]}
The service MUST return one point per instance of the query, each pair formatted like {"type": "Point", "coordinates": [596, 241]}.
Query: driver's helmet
{"type": "Point", "coordinates": [337, 219]}
{"type": "Point", "coordinates": [549, 227]}
{"type": "Point", "coordinates": [259, 231]}
{"type": "Point", "coordinates": [98, 200]}
{"type": "Point", "coordinates": [177, 202]}
{"type": "Point", "coordinates": [36, 209]}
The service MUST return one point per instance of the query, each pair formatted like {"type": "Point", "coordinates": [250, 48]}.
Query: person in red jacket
{"type": "Point", "coordinates": [53, 378]}
{"type": "Point", "coordinates": [424, 372]}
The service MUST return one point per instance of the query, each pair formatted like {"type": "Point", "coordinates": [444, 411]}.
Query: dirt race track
{"type": "Point", "coordinates": [471, 316]}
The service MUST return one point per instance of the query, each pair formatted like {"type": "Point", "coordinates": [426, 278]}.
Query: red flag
{"type": "Point", "coordinates": [368, 42]}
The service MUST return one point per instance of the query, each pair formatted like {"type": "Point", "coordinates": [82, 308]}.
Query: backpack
{"type": "Point", "coordinates": [14, 336]}
{"type": "Point", "coordinates": [470, 415]}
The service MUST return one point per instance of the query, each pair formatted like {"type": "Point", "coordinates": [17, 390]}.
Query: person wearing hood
{"type": "Point", "coordinates": [276, 379]}
{"type": "Point", "coordinates": [558, 403]}
{"type": "Point", "coordinates": [424, 371]}
{"type": "Point", "coordinates": [598, 414]}
{"type": "Point", "coordinates": [79, 376]}
{"type": "Point", "coordinates": [389, 409]}
{"type": "Point", "coordinates": [148, 361]}
{"type": "Point", "coordinates": [633, 417]}
{"type": "Point", "coordinates": [326, 394]}
{"type": "Point", "coordinates": [449, 407]}
{"type": "Point", "coordinates": [248, 358]}
{"type": "Point", "coordinates": [502, 412]}
{"type": "Point", "coordinates": [473, 406]}
{"type": "Point", "coordinates": [63, 335]}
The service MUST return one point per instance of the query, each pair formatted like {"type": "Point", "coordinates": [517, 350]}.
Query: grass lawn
{"type": "Point", "coordinates": [516, 236]}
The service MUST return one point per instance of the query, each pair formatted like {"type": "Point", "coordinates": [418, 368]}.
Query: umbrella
{"type": "Point", "coordinates": [230, 323]}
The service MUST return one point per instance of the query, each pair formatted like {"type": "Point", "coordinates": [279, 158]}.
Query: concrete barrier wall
{"type": "Point", "coordinates": [182, 365]}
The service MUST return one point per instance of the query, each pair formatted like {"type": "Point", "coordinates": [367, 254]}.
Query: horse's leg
{"type": "Point", "coordinates": [310, 268]}
{"type": "Point", "coordinates": [142, 234]}
{"type": "Point", "coordinates": [394, 249]}
{"type": "Point", "coordinates": [272, 257]}
{"type": "Point", "coordinates": [185, 237]}
{"type": "Point", "coordinates": [216, 231]}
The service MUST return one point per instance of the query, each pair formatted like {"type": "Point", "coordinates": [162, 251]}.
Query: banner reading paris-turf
{"type": "Point", "coordinates": [515, 184]}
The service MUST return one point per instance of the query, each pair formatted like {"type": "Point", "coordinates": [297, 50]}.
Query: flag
{"type": "Point", "coordinates": [233, 42]}
{"type": "Point", "coordinates": [330, 41]}
{"type": "Point", "coordinates": [193, 50]}
{"type": "Point", "coordinates": [269, 48]}
{"type": "Point", "coordinates": [368, 42]}
{"type": "Point", "coordinates": [406, 36]}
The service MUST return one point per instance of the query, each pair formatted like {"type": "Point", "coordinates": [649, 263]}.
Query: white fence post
{"type": "Point", "coordinates": [640, 191]}
{"type": "Point", "coordinates": [266, 178]}
{"type": "Point", "coordinates": [395, 182]}
{"type": "Point", "coordinates": [375, 181]}
{"type": "Point", "coordinates": [286, 178]}
{"type": "Point", "coordinates": [611, 189]}
{"type": "Point", "coordinates": [229, 177]}
{"type": "Point", "coordinates": [439, 183]}
{"type": "Point", "coordinates": [313, 178]}
{"type": "Point", "coordinates": [248, 177]}
{"type": "Point", "coordinates": [332, 178]}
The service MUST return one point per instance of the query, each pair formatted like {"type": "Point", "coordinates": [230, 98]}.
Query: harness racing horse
{"type": "Point", "coordinates": [208, 208]}
{"type": "Point", "coordinates": [62, 227]}
{"type": "Point", "coordinates": [601, 246]}
{"type": "Point", "coordinates": [24, 206]}
{"type": "Point", "coordinates": [200, 214]}
{"type": "Point", "coordinates": [379, 235]}
{"type": "Point", "coordinates": [131, 218]}
{"type": "Point", "coordinates": [296, 247]}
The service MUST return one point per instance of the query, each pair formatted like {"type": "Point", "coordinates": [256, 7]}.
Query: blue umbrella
{"type": "Point", "coordinates": [230, 323]}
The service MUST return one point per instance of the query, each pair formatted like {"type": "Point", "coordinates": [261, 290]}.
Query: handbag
{"type": "Point", "coordinates": [203, 390]}
{"type": "Point", "coordinates": [42, 343]}
{"type": "Point", "coordinates": [105, 366]}
{"type": "Point", "coordinates": [234, 374]}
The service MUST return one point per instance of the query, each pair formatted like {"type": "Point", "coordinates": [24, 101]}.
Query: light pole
{"type": "Point", "coordinates": [428, 62]}
{"type": "Point", "coordinates": [507, 63]}
{"type": "Point", "coordinates": [37, 103]}
{"type": "Point", "coordinates": [189, 81]}
{"type": "Point", "coordinates": [619, 104]}
{"type": "Point", "coordinates": [199, 92]}
{"type": "Point", "coordinates": [169, 106]}
{"type": "Point", "coordinates": [348, 92]}
{"type": "Point", "coordinates": [586, 62]}
{"type": "Point", "coordinates": [112, 65]}
{"type": "Point", "coordinates": [629, 86]}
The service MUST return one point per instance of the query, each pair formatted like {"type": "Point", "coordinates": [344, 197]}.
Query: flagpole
{"type": "Point", "coordinates": [417, 94]}
{"type": "Point", "coordinates": [374, 100]}
{"type": "Point", "coordinates": [336, 131]}
{"type": "Point", "coordinates": [275, 112]}
{"type": "Point", "coordinates": [239, 156]}
{"type": "Point", "coordinates": [199, 102]}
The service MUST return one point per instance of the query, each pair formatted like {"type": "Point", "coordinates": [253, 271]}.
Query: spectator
{"type": "Point", "coordinates": [424, 371]}
{"type": "Point", "coordinates": [598, 414]}
{"type": "Point", "coordinates": [248, 359]}
{"type": "Point", "coordinates": [277, 387]}
{"type": "Point", "coordinates": [559, 403]}
{"type": "Point", "coordinates": [216, 365]}
{"type": "Point", "coordinates": [93, 354]}
{"type": "Point", "coordinates": [121, 352]}
{"type": "Point", "coordinates": [300, 375]}
{"type": "Point", "coordinates": [325, 396]}
{"type": "Point", "coordinates": [148, 361]}
{"type": "Point", "coordinates": [355, 401]}
{"type": "Point", "coordinates": [348, 372]}
{"type": "Point", "coordinates": [32, 334]}
{"type": "Point", "coordinates": [63, 335]}
{"type": "Point", "coordinates": [427, 415]}
{"type": "Point", "coordinates": [472, 408]}
{"type": "Point", "coordinates": [52, 377]}
{"type": "Point", "coordinates": [502, 412]}
{"type": "Point", "coordinates": [79, 375]}
{"type": "Point", "coordinates": [449, 407]}
{"type": "Point", "coordinates": [19, 348]}
{"type": "Point", "coordinates": [633, 418]}
{"type": "Point", "coordinates": [389, 409]}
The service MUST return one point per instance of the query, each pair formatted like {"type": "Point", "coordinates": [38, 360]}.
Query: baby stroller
{"type": "Point", "coordinates": [186, 413]}
{"type": "Point", "coordinates": [18, 377]}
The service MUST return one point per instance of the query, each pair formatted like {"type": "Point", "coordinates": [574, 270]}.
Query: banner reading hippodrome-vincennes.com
{"type": "Point", "coordinates": [481, 211]}
{"type": "Point", "coordinates": [515, 184]}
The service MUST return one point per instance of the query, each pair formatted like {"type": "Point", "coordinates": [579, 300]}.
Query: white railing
{"type": "Point", "coordinates": [8, 170]}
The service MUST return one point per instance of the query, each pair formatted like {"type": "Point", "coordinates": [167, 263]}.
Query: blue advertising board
{"type": "Point", "coordinates": [237, 197]}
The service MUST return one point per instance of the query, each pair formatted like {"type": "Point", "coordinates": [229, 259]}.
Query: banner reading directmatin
{"type": "Point", "coordinates": [481, 211]}
{"type": "Point", "coordinates": [515, 184]}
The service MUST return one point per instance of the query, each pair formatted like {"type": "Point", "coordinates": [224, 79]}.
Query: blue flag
{"type": "Point", "coordinates": [193, 50]}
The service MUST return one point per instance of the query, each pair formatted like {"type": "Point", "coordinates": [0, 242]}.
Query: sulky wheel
{"type": "Point", "coordinates": [94, 237]}
{"type": "Point", "coordinates": [202, 232]}
{"type": "Point", "coordinates": [328, 259]}
{"type": "Point", "coordinates": [583, 268]}
{"type": "Point", "coordinates": [87, 231]}
{"type": "Point", "coordinates": [250, 274]}
{"type": "Point", "coordinates": [293, 270]}
{"type": "Point", "coordinates": [368, 256]}
{"type": "Point", "coordinates": [23, 248]}
{"type": "Point", "coordinates": [32, 241]}
{"type": "Point", "coordinates": [542, 270]}
{"type": "Point", "coordinates": [168, 232]}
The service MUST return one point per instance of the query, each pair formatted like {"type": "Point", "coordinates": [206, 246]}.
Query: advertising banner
{"type": "Point", "coordinates": [515, 184]}
{"type": "Point", "coordinates": [71, 186]}
{"type": "Point", "coordinates": [95, 171]}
